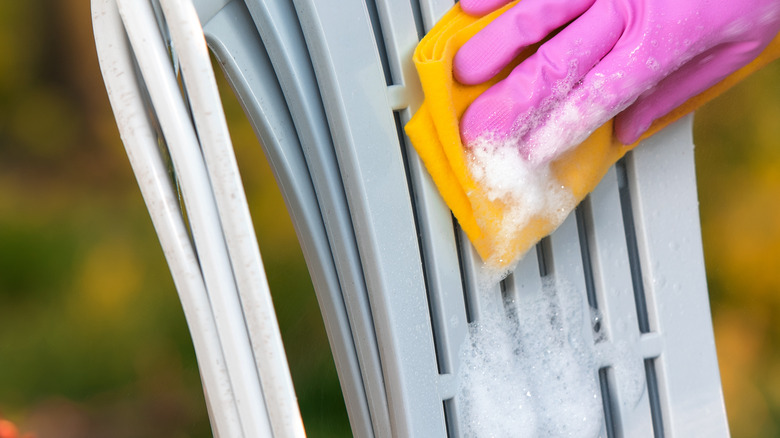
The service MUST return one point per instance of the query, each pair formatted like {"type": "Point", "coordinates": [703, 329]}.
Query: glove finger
{"type": "Point", "coordinates": [481, 7]}
{"type": "Point", "coordinates": [696, 76]}
{"type": "Point", "coordinates": [630, 69]}
{"type": "Point", "coordinates": [534, 85]}
{"type": "Point", "coordinates": [495, 46]}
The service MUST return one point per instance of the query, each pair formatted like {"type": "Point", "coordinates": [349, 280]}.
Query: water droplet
{"type": "Point", "coordinates": [652, 63]}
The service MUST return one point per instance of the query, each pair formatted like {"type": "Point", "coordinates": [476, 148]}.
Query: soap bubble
{"type": "Point", "coordinates": [529, 370]}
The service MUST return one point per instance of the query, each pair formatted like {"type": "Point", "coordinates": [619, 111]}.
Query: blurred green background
{"type": "Point", "coordinates": [93, 342]}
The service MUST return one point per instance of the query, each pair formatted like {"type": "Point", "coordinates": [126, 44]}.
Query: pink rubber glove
{"type": "Point", "coordinates": [637, 59]}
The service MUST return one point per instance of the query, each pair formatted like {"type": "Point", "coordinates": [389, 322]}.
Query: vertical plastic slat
{"type": "Point", "coordinates": [612, 278]}
{"type": "Point", "coordinates": [254, 293]}
{"type": "Point", "coordinates": [141, 144]}
{"type": "Point", "coordinates": [207, 9]}
{"type": "Point", "coordinates": [340, 41]}
{"type": "Point", "coordinates": [440, 253]}
{"type": "Point", "coordinates": [482, 293]}
{"type": "Point", "coordinates": [567, 271]}
{"type": "Point", "coordinates": [525, 279]}
{"type": "Point", "coordinates": [232, 36]}
{"type": "Point", "coordinates": [202, 212]}
{"type": "Point", "coordinates": [280, 29]}
{"type": "Point", "coordinates": [433, 10]}
{"type": "Point", "coordinates": [434, 219]}
{"type": "Point", "coordinates": [567, 267]}
{"type": "Point", "coordinates": [566, 255]}
{"type": "Point", "coordinates": [662, 179]}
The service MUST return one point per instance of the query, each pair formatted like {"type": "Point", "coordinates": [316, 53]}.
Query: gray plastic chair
{"type": "Point", "coordinates": [328, 86]}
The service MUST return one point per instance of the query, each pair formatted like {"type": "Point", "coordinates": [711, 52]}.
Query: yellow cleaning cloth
{"type": "Point", "coordinates": [434, 133]}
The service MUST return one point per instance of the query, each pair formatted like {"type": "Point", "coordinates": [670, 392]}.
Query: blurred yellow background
{"type": "Point", "coordinates": [93, 342]}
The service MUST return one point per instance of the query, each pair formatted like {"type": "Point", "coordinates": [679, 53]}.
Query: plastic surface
{"type": "Point", "coordinates": [590, 251]}
{"type": "Point", "coordinates": [228, 262]}
{"type": "Point", "coordinates": [396, 277]}
{"type": "Point", "coordinates": [202, 211]}
{"type": "Point", "coordinates": [239, 234]}
{"type": "Point", "coordinates": [140, 140]}
{"type": "Point", "coordinates": [279, 28]}
{"type": "Point", "coordinates": [233, 38]}
{"type": "Point", "coordinates": [366, 138]}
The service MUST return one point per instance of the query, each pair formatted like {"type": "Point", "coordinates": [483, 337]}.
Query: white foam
{"type": "Point", "coordinates": [529, 370]}
{"type": "Point", "coordinates": [526, 190]}
{"type": "Point", "coordinates": [515, 171]}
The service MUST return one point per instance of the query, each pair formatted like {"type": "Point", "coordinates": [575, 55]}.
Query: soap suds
{"type": "Point", "coordinates": [515, 172]}
{"type": "Point", "coordinates": [528, 369]}
{"type": "Point", "coordinates": [525, 191]}
{"type": "Point", "coordinates": [531, 368]}
{"type": "Point", "coordinates": [506, 176]}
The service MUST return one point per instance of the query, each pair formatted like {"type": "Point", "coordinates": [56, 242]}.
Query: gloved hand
{"type": "Point", "coordinates": [637, 59]}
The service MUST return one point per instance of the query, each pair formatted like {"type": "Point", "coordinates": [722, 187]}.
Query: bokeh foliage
{"type": "Point", "coordinates": [738, 169]}
{"type": "Point", "coordinates": [93, 342]}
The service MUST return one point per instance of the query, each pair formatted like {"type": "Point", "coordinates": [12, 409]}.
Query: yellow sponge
{"type": "Point", "coordinates": [434, 133]}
